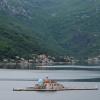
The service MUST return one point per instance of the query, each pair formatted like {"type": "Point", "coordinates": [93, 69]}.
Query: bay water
{"type": "Point", "coordinates": [12, 78]}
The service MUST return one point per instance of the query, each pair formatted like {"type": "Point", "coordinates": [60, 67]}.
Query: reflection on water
{"type": "Point", "coordinates": [10, 79]}
{"type": "Point", "coordinates": [77, 66]}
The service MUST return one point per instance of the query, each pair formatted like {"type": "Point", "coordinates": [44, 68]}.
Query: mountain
{"type": "Point", "coordinates": [54, 27]}
{"type": "Point", "coordinates": [22, 30]}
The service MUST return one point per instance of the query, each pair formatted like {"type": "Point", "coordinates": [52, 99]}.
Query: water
{"type": "Point", "coordinates": [20, 79]}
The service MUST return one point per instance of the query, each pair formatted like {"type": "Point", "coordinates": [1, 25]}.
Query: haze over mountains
{"type": "Point", "coordinates": [54, 27]}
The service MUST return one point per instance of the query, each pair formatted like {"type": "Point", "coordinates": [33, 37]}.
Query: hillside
{"type": "Point", "coordinates": [55, 27]}
{"type": "Point", "coordinates": [20, 34]}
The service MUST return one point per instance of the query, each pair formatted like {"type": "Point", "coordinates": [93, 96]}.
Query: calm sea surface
{"type": "Point", "coordinates": [10, 79]}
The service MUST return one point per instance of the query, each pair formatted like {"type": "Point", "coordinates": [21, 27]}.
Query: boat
{"type": "Point", "coordinates": [33, 89]}
{"type": "Point", "coordinates": [51, 85]}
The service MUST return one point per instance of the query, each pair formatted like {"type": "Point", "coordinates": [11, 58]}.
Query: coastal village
{"type": "Point", "coordinates": [94, 60]}
{"type": "Point", "coordinates": [37, 60]}
{"type": "Point", "coordinates": [44, 60]}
